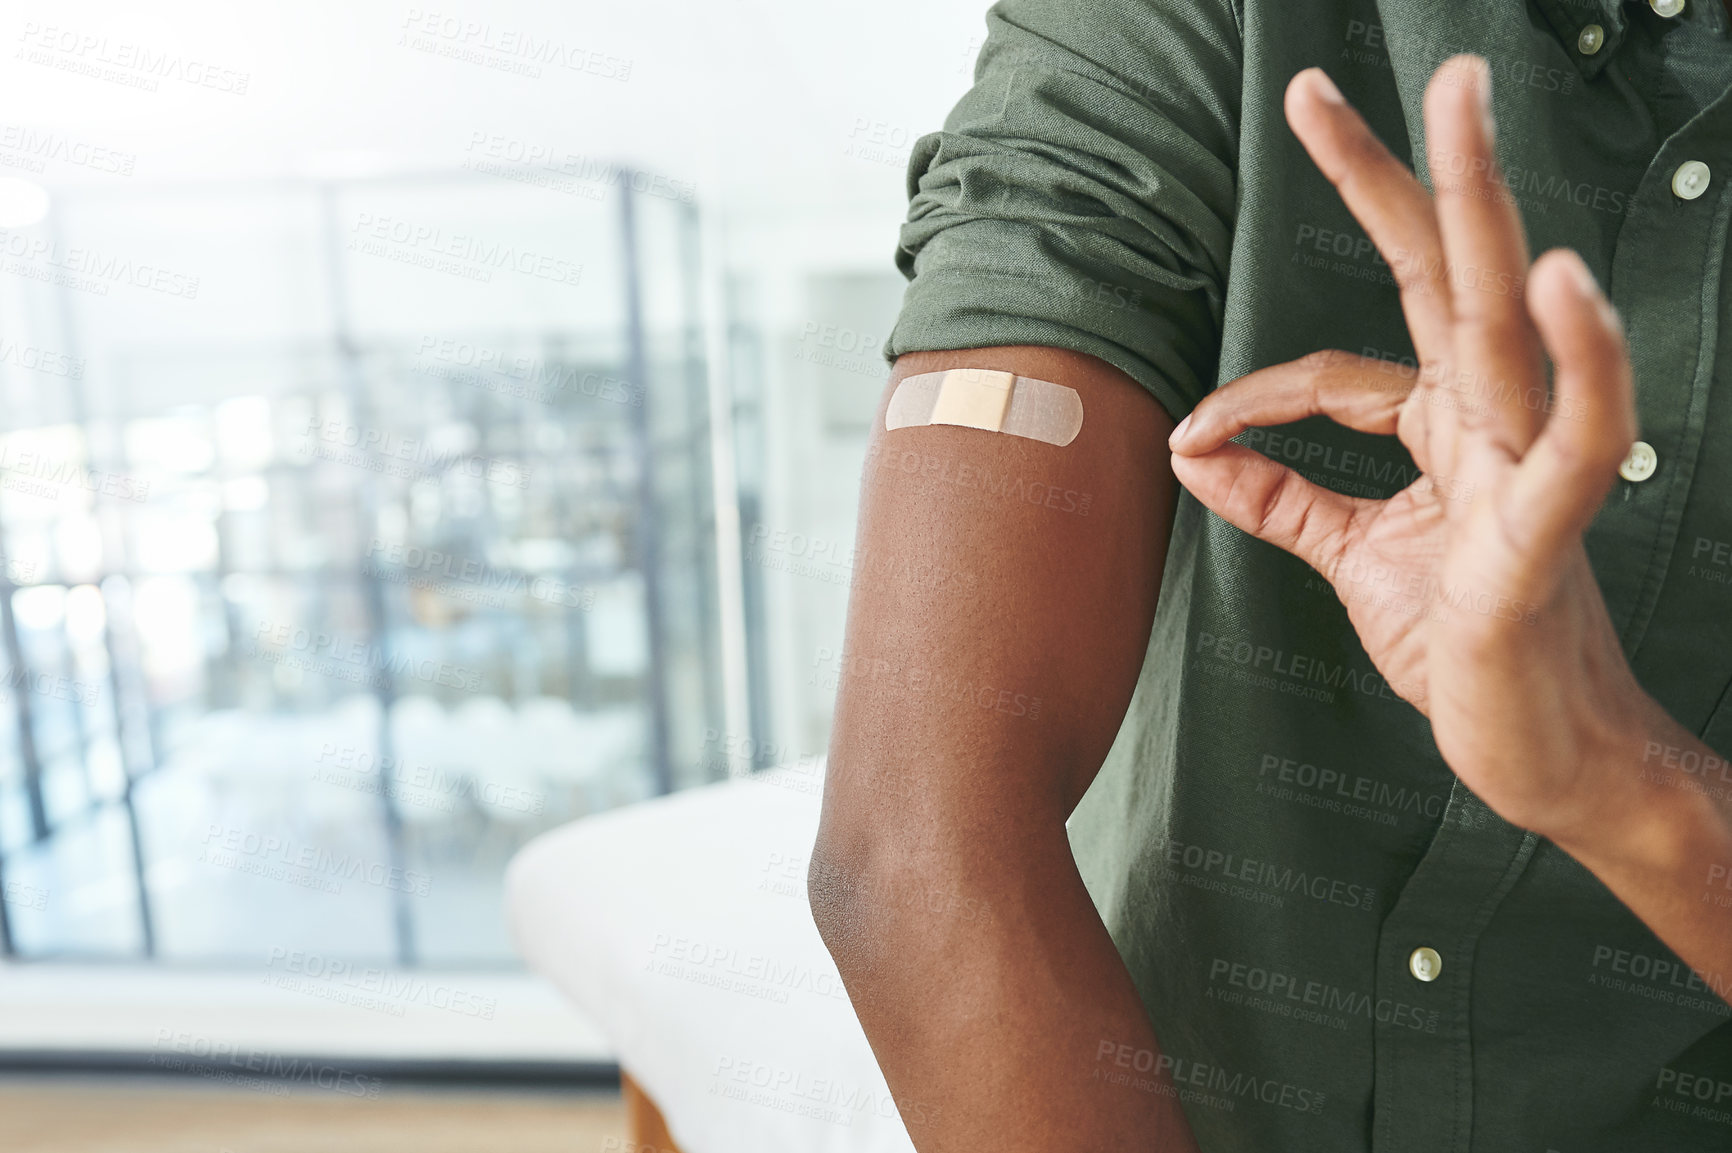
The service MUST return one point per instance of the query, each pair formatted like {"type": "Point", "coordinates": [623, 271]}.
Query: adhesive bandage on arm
{"type": "Point", "coordinates": [994, 401]}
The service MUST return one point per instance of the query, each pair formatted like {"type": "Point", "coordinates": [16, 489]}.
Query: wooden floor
{"type": "Point", "coordinates": [130, 1115]}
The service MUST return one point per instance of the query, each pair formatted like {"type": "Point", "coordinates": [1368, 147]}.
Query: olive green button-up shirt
{"type": "Point", "coordinates": [1340, 947]}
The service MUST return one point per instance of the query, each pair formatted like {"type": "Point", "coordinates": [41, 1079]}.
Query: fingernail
{"type": "Point", "coordinates": [1325, 87]}
{"type": "Point", "coordinates": [1179, 432]}
{"type": "Point", "coordinates": [1483, 88]}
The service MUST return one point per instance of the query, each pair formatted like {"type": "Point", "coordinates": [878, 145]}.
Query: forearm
{"type": "Point", "coordinates": [1662, 841]}
{"type": "Point", "coordinates": [996, 1002]}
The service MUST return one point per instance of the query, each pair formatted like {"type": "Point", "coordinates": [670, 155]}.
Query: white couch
{"type": "Point", "coordinates": [680, 926]}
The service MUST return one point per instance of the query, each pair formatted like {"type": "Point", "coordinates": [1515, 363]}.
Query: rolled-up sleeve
{"type": "Point", "coordinates": [1082, 193]}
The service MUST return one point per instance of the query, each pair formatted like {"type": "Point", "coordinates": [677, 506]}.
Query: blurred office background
{"type": "Point", "coordinates": [419, 427]}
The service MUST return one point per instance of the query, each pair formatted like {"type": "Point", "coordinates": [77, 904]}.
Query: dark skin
{"type": "Point", "coordinates": [992, 1023]}
{"type": "Point", "coordinates": [1536, 709]}
{"type": "Point", "coordinates": [991, 1030]}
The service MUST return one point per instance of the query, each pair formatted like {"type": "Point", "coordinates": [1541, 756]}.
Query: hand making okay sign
{"type": "Point", "coordinates": [1470, 589]}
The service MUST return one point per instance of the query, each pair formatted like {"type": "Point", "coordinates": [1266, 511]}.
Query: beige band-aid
{"type": "Point", "coordinates": [994, 401]}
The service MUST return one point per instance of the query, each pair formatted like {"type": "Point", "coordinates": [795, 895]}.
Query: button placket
{"type": "Point", "coordinates": [1425, 959]}
{"type": "Point", "coordinates": [1665, 282]}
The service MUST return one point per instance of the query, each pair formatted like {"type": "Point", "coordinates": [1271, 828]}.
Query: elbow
{"type": "Point", "coordinates": [838, 888]}
{"type": "Point", "coordinates": [846, 879]}
{"type": "Point", "coordinates": [897, 878]}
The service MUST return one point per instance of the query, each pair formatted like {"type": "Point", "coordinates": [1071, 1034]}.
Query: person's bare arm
{"type": "Point", "coordinates": [982, 684]}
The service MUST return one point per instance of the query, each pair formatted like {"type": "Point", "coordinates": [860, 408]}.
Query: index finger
{"type": "Point", "coordinates": [1385, 197]}
{"type": "Point", "coordinates": [1357, 391]}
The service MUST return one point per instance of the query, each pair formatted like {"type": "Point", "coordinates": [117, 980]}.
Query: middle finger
{"type": "Point", "coordinates": [1496, 350]}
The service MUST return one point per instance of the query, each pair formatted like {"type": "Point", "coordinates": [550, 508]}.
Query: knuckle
{"type": "Point", "coordinates": [1269, 508]}
{"type": "Point", "coordinates": [1324, 360]}
{"type": "Point", "coordinates": [1493, 330]}
{"type": "Point", "coordinates": [1595, 456]}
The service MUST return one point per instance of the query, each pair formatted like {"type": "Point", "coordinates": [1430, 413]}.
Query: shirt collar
{"type": "Point", "coordinates": [1573, 18]}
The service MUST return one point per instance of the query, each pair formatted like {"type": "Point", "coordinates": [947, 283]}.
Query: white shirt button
{"type": "Point", "coordinates": [1641, 462]}
{"type": "Point", "coordinates": [1590, 40]}
{"type": "Point", "coordinates": [1691, 180]}
{"type": "Point", "coordinates": [1425, 963]}
{"type": "Point", "coordinates": [1667, 7]}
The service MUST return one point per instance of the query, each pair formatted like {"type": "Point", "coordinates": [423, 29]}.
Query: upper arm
{"type": "Point", "coordinates": [1073, 221]}
{"type": "Point", "coordinates": [1003, 596]}
{"type": "Point", "coordinates": [1083, 193]}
